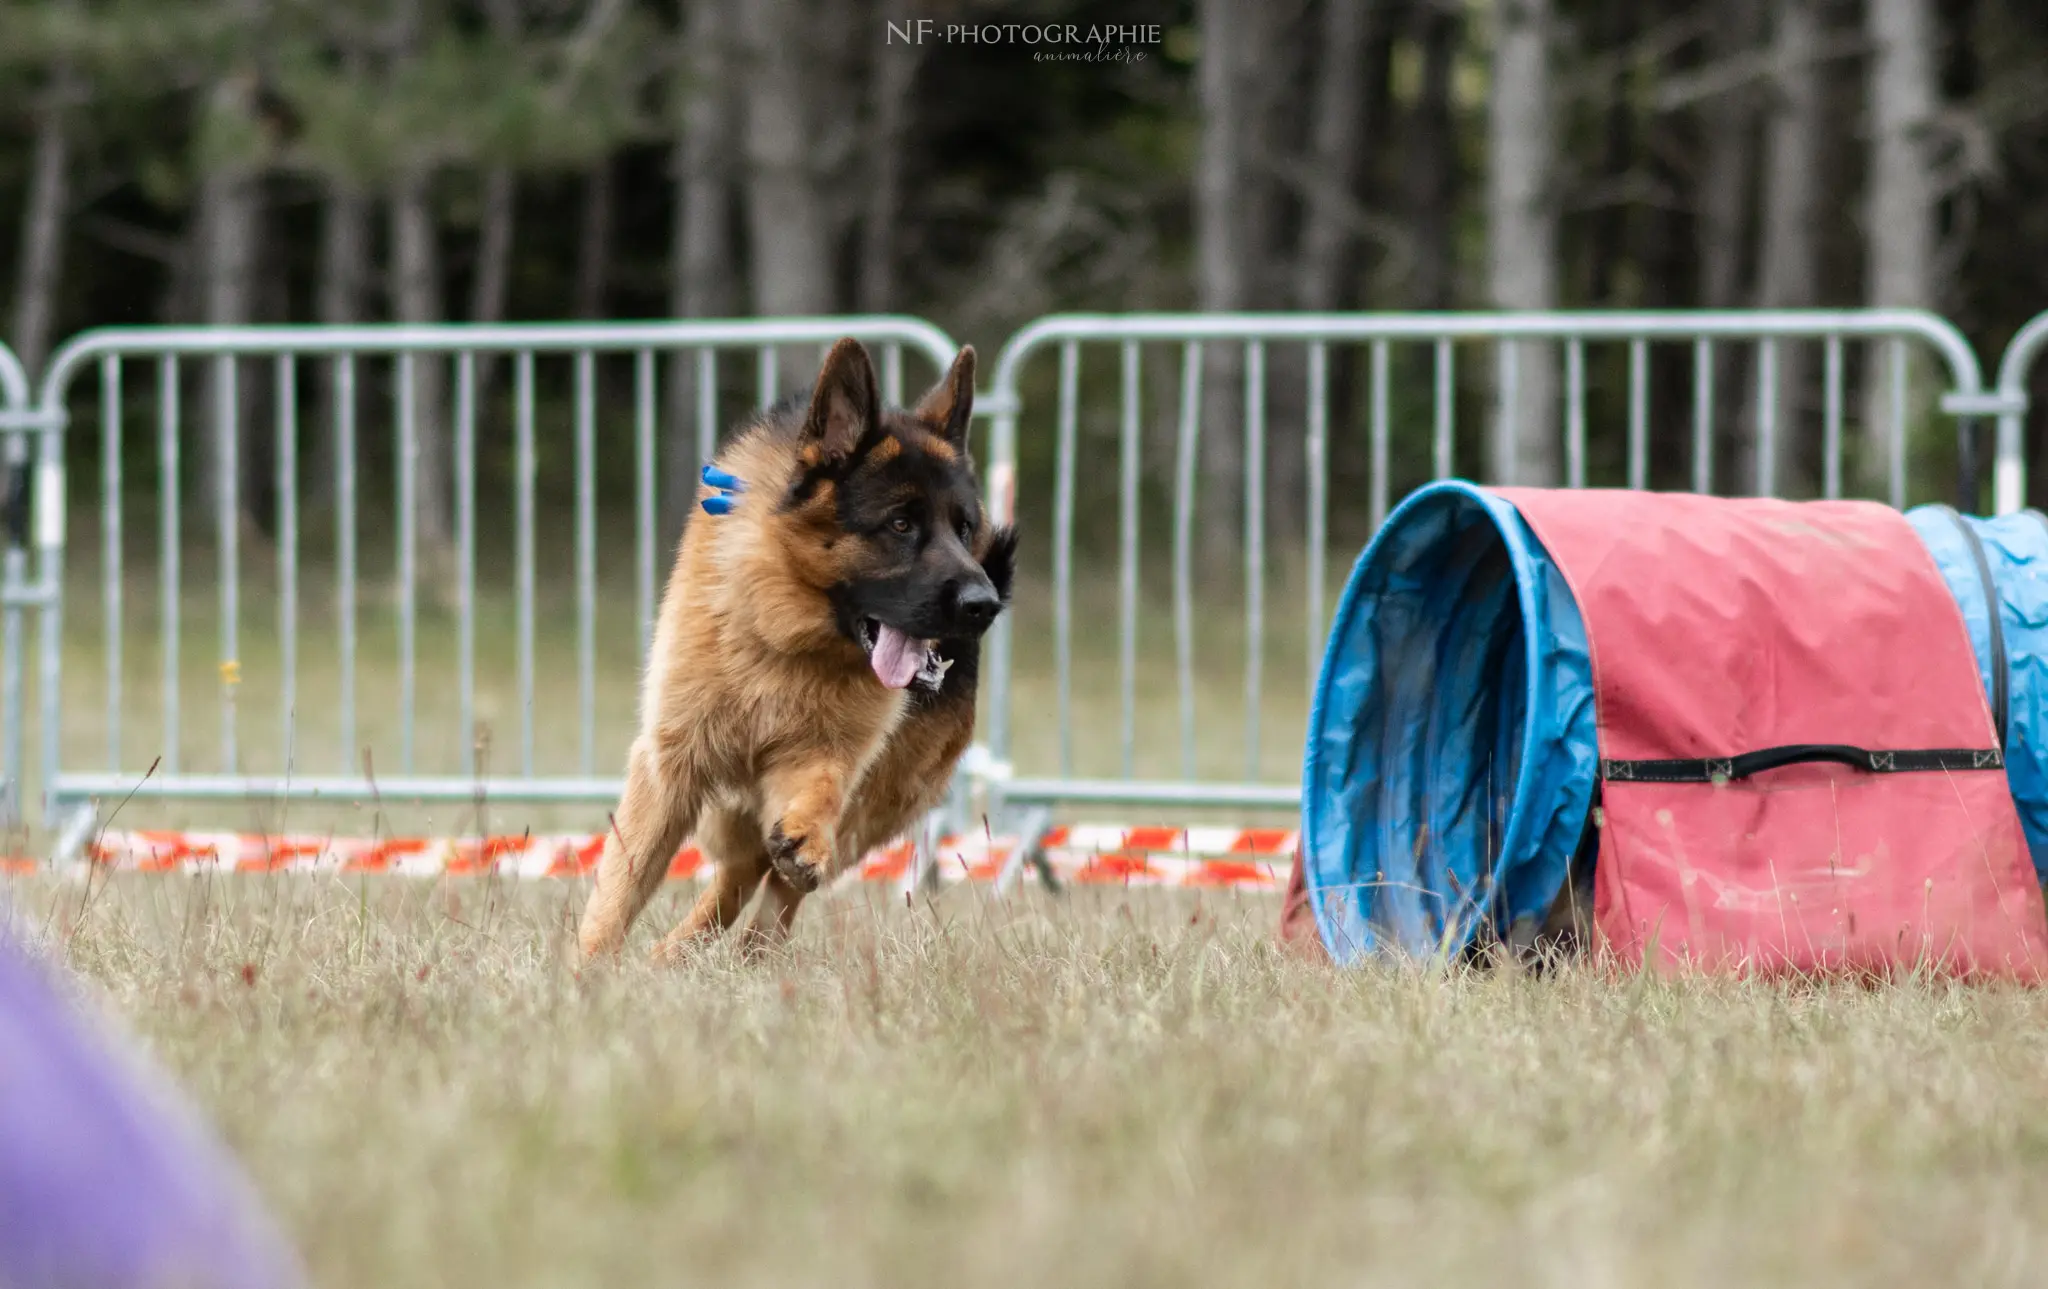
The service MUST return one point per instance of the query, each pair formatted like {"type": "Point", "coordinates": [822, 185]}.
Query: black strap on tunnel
{"type": "Point", "coordinates": [1991, 612]}
{"type": "Point", "coordinates": [1714, 769]}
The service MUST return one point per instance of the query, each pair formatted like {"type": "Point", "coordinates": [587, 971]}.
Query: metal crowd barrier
{"type": "Point", "coordinates": [348, 362]}
{"type": "Point", "coordinates": [350, 357]}
{"type": "Point", "coordinates": [1031, 796]}
{"type": "Point", "coordinates": [31, 482]}
{"type": "Point", "coordinates": [2009, 402]}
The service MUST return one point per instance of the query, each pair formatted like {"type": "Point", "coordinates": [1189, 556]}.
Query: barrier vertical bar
{"type": "Point", "coordinates": [287, 388]}
{"type": "Point", "coordinates": [50, 534]}
{"type": "Point", "coordinates": [1638, 414]}
{"type": "Point", "coordinates": [892, 375]}
{"type": "Point", "coordinates": [1000, 493]}
{"type": "Point", "coordinates": [1575, 414]}
{"type": "Point", "coordinates": [1127, 541]}
{"type": "Point", "coordinates": [1898, 429]}
{"type": "Point", "coordinates": [1254, 544]}
{"type": "Point", "coordinates": [408, 554]}
{"type": "Point", "coordinates": [523, 473]}
{"type": "Point", "coordinates": [643, 495]}
{"type": "Point", "coordinates": [1063, 552]}
{"type": "Point", "coordinates": [586, 557]}
{"type": "Point", "coordinates": [345, 543]}
{"type": "Point", "coordinates": [465, 554]}
{"type": "Point", "coordinates": [227, 497]}
{"type": "Point", "coordinates": [171, 538]}
{"type": "Point", "coordinates": [110, 544]}
{"type": "Point", "coordinates": [1506, 435]}
{"type": "Point", "coordinates": [1446, 409]}
{"type": "Point", "coordinates": [1766, 418]}
{"type": "Point", "coordinates": [1382, 467]}
{"type": "Point", "coordinates": [14, 567]}
{"type": "Point", "coordinates": [1188, 443]}
{"type": "Point", "coordinates": [1831, 420]}
{"type": "Point", "coordinates": [1702, 416]}
{"type": "Point", "coordinates": [1318, 464]}
{"type": "Point", "coordinates": [707, 404]}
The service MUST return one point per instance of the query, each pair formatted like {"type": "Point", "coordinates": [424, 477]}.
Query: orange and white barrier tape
{"type": "Point", "coordinates": [1084, 854]}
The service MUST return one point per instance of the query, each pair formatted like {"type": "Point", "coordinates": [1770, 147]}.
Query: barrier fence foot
{"type": "Point", "coordinates": [922, 877]}
{"type": "Point", "coordinates": [1030, 849]}
{"type": "Point", "coordinates": [77, 826]}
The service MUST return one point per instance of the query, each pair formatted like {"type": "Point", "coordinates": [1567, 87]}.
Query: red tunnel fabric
{"type": "Point", "coordinates": [1720, 627]}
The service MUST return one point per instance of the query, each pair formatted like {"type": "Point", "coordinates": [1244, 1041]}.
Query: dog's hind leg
{"type": "Point", "coordinates": [731, 840]}
{"type": "Point", "coordinates": [656, 812]}
{"type": "Point", "coordinates": [777, 912]}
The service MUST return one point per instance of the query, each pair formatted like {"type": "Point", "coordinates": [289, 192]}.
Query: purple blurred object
{"type": "Point", "coordinates": [107, 1178]}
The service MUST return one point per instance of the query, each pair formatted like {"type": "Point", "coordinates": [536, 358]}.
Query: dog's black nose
{"type": "Point", "coordinates": [975, 605]}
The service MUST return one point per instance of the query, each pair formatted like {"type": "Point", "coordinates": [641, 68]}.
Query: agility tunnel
{"type": "Point", "coordinates": [1761, 732]}
{"type": "Point", "coordinates": [1997, 569]}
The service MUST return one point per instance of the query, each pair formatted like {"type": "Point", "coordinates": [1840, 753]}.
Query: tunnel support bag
{"type": "Point", "coordinates": [1799, 769]}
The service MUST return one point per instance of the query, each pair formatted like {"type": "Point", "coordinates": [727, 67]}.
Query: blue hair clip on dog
{"type": "Point", "coordinates": [729, 487]}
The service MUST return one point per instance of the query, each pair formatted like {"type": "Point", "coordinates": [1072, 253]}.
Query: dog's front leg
{"type": "Point", "coordinates": [804, 799]}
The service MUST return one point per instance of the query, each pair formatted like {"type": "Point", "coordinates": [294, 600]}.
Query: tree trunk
{"type": "Point", "coordinates": [1223, 255]}
{"type": "Point", "coordinates": [1522, 234]}
{"type": "Point", "coordinates": [344, 284]}
{"type": "Point", "coordinates": [493, 246]}
{"type": "Point", "coordinates": [1899, 224]}
{"type": "Point", "coordinates": [594, 241]}
{"type": "Point", "coordinates": [1727, 188]}
{"type": "Point", "coordinates": [228, 215]}
{"type": "Point", "coordinates": [701, 241]}
{"type": "Point", "coordinates": [1336, 146]}
{"type": "Point", "coordinates": [1610, 230]}
{"type": "Point", "coordinates": [500, 200]}
{"type": "Point", "coordinates": [344, 255]}
{"type": "Point", "coordinates": [790, 260]}
{"type": "Point", "coordinates": [1338, 110]}
{"type": "Point", "coordinates": [42, 226]}
{"type": "Point", "coordinates": [416, 298]}
{"type": "Point", "coordinates": [1788, 270]}
{"type": "Point", "coordinates": [893, 76]}
{"type": "Point", "coordinates": [1432, 161]}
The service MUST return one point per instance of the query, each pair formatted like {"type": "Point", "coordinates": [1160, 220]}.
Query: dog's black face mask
{"type": "Point", "coordinates": [915, 521]}
{"type": "Point", "coordinates": [908, 518]}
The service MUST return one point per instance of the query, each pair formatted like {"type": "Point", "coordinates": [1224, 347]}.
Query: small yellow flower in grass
{"type": "Point", "coordinates": [231, 672]}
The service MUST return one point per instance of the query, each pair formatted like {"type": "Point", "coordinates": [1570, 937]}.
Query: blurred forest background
{"type": "Point", "coordinates": [227, 161]}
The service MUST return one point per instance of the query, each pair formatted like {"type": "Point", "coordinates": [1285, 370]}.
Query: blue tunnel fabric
{"type": "Point", "coordinates": [2015, 553]}
{"type": "Point", "coordinates": [1452, 745]}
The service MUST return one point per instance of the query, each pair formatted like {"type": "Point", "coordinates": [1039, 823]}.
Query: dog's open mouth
{"type": "Point", "coordinates": [901, 660]}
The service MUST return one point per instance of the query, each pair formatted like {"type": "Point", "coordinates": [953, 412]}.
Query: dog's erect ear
{"type": "Point", "coordinates": [950, 404]}
{"type": "Point", "coordinates": [844, 406]}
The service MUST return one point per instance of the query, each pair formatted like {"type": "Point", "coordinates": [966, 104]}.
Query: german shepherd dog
{"type": "Point", "coordinates": [812, 677]}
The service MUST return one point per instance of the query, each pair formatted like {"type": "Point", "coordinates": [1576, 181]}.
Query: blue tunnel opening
{"type": "Point", "coordinates": [1997, 569]}
{"type": "Point", "coordinates": [1452, 746]}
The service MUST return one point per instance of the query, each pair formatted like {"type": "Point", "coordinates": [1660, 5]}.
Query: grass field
{"type": "Point", "coordinates": [1102, 1089]}
{"type": "Point", "coordinates": [1099, 1090]}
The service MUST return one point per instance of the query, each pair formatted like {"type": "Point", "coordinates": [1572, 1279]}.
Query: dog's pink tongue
{"type": "Point", "coordinates": [896, 658]}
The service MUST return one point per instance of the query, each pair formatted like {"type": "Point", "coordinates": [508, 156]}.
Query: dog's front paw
{"type": "Point", "coordinates": [796, 859]}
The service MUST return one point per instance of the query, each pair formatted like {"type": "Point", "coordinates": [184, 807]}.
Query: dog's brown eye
{"type": "Point", "coordinates": [900, 524]}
